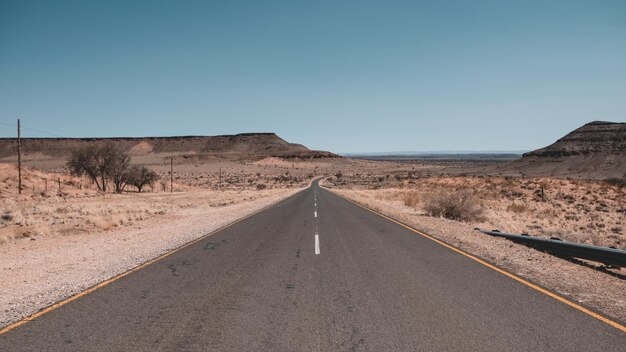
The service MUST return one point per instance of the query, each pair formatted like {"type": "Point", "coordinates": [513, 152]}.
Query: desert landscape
{"type": "Point", "coordinates": [552, 193]}
{"type": "Point", "coordinates": [60, 218]}
{"type": "Point", "coordinates": [50, 231]}
{"type": "Point", "coordinates": [312, 176]}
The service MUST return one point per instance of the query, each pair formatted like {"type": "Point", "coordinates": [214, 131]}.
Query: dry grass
{"type": "Point", "coordinates": [592, 212]}
{"type": "Point", "coordinates": [79, 208]}
{"type": "Point", "coordinates": [411, 199]}
{"type": "Point", "coordinates": [32, 217]}
{"type": "Point", "coordinates": [517, 208]}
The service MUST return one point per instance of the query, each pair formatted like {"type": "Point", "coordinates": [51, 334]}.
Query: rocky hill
{"type": "Point", "coordinates": [242, 146]}
{"type": "Point", "coordinates": [598, 137]}
{"type": "Point", "coordinates": [596, 150]}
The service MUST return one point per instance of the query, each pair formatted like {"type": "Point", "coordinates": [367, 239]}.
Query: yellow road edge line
{"type": "Point", "coordinates": [132, 270]}
{"type": "Point", "coordinates": [559, 298]}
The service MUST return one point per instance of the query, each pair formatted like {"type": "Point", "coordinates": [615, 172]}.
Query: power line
{"type": "Point", "coordinates": [32, 129]}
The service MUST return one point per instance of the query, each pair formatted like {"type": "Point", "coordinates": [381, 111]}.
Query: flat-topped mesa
{"type": "Point", "coordinates": [243, 144]}
{"type": "Point", "coordinates": [598, 137]}
{"type": "Point", "coordinates": [596, 150]}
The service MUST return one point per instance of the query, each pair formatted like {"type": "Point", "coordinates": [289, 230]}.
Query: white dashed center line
{"type": "Point", "coordinates": [317, 244]}
{"type": "Point", "coordinates": [317, 236]}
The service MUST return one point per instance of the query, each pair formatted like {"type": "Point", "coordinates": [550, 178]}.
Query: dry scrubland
{"type": "Point", "coordinates": [78, 208]}
{"type": "Point", "coordinates": [53, 203]}
{"type": "Point", "coordinates": [450, 207]}
{"type": "Point", "coordinates": [591, 212]}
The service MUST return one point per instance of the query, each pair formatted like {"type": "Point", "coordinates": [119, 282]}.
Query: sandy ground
{"type": "Point", "coordinates": [41, 269]}
{"type": "Point", "coordinates": [588, 284]}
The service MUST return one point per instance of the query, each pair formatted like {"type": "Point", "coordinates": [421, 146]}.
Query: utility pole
{"type": "Point", "coordinates": [171, 174]}
{"type": "Point", "coordinates": [19, 159]}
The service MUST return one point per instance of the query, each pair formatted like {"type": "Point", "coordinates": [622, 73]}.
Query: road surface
{"type": "Point", "coordinates": [315, 273]}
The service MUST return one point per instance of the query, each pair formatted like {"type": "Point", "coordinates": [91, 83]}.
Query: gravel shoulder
{"type": "Point", "coordinates": [589, 285]}
{"type": "Point", "coordinates": [35, 273]}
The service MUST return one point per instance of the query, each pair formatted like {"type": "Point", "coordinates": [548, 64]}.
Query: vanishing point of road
{"type": "Point", "coordinates": [314, 273]}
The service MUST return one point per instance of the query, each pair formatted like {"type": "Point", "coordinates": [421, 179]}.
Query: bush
{"type": "Point", "coordinates": [261, 186]}
{"type": "Point", "coordinates": [460, 205]}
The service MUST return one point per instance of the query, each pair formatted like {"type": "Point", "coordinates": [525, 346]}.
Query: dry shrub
{"type": "Point", "coordinates": [548, 213]}
{"type": "Point", "coordinates": [103, 222]}
{"type": "Point", "coordinates": [411, 199]}
{"type": "Point", "coordinates": [6, 237]}
{"type": "Point", "coordinates": [460, 205]}
{"type": "Point", "coordinates": [517, 208]}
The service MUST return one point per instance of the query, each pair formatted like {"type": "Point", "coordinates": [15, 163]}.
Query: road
{"type": "Point", "coordinates": [315, 273]}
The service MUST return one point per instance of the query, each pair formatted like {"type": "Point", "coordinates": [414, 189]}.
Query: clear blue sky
{"type": "Point", "coordinates": [346, 76]}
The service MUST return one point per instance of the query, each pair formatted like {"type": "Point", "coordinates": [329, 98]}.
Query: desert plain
{"type": "Point", "coordinates": [62, 235]}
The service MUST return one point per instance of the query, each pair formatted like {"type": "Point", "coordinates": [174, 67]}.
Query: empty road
{"type": "Point", "coordinates": [315, 273]}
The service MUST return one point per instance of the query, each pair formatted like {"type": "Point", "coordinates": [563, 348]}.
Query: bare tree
{"type": "Point", "coordinates": [141, 176]}
{"type": "Point", "coordinates": [100, 163]}
{"type": "Point", "coordinates": [119, 174]}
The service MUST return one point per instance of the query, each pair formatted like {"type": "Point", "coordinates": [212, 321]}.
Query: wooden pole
{"type": "Point", "coordinates": [171, 174]}
{"type": "Point", "coordinates": [59, 184]}
{"type": "Point", "coordinates": [19, 159]}
{"type": "Point", "coordinates": [220, 184]}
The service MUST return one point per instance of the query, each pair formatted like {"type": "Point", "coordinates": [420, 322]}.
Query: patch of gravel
{"type": "Point", "coordinates": [37, 273]}
{"type": "Point", "coordinates": [602, 291]}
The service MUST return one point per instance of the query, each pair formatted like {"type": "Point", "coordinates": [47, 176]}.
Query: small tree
{"type": "Point", "coordinates": [141, 176]}
{"type": "Point", "coordinates": [120, 174]}
{"type": "Point", "coordinates": [100, 163]}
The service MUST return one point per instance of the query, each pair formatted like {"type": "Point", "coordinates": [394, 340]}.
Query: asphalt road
{"type": "Point", "coordinates": [260, 286]}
